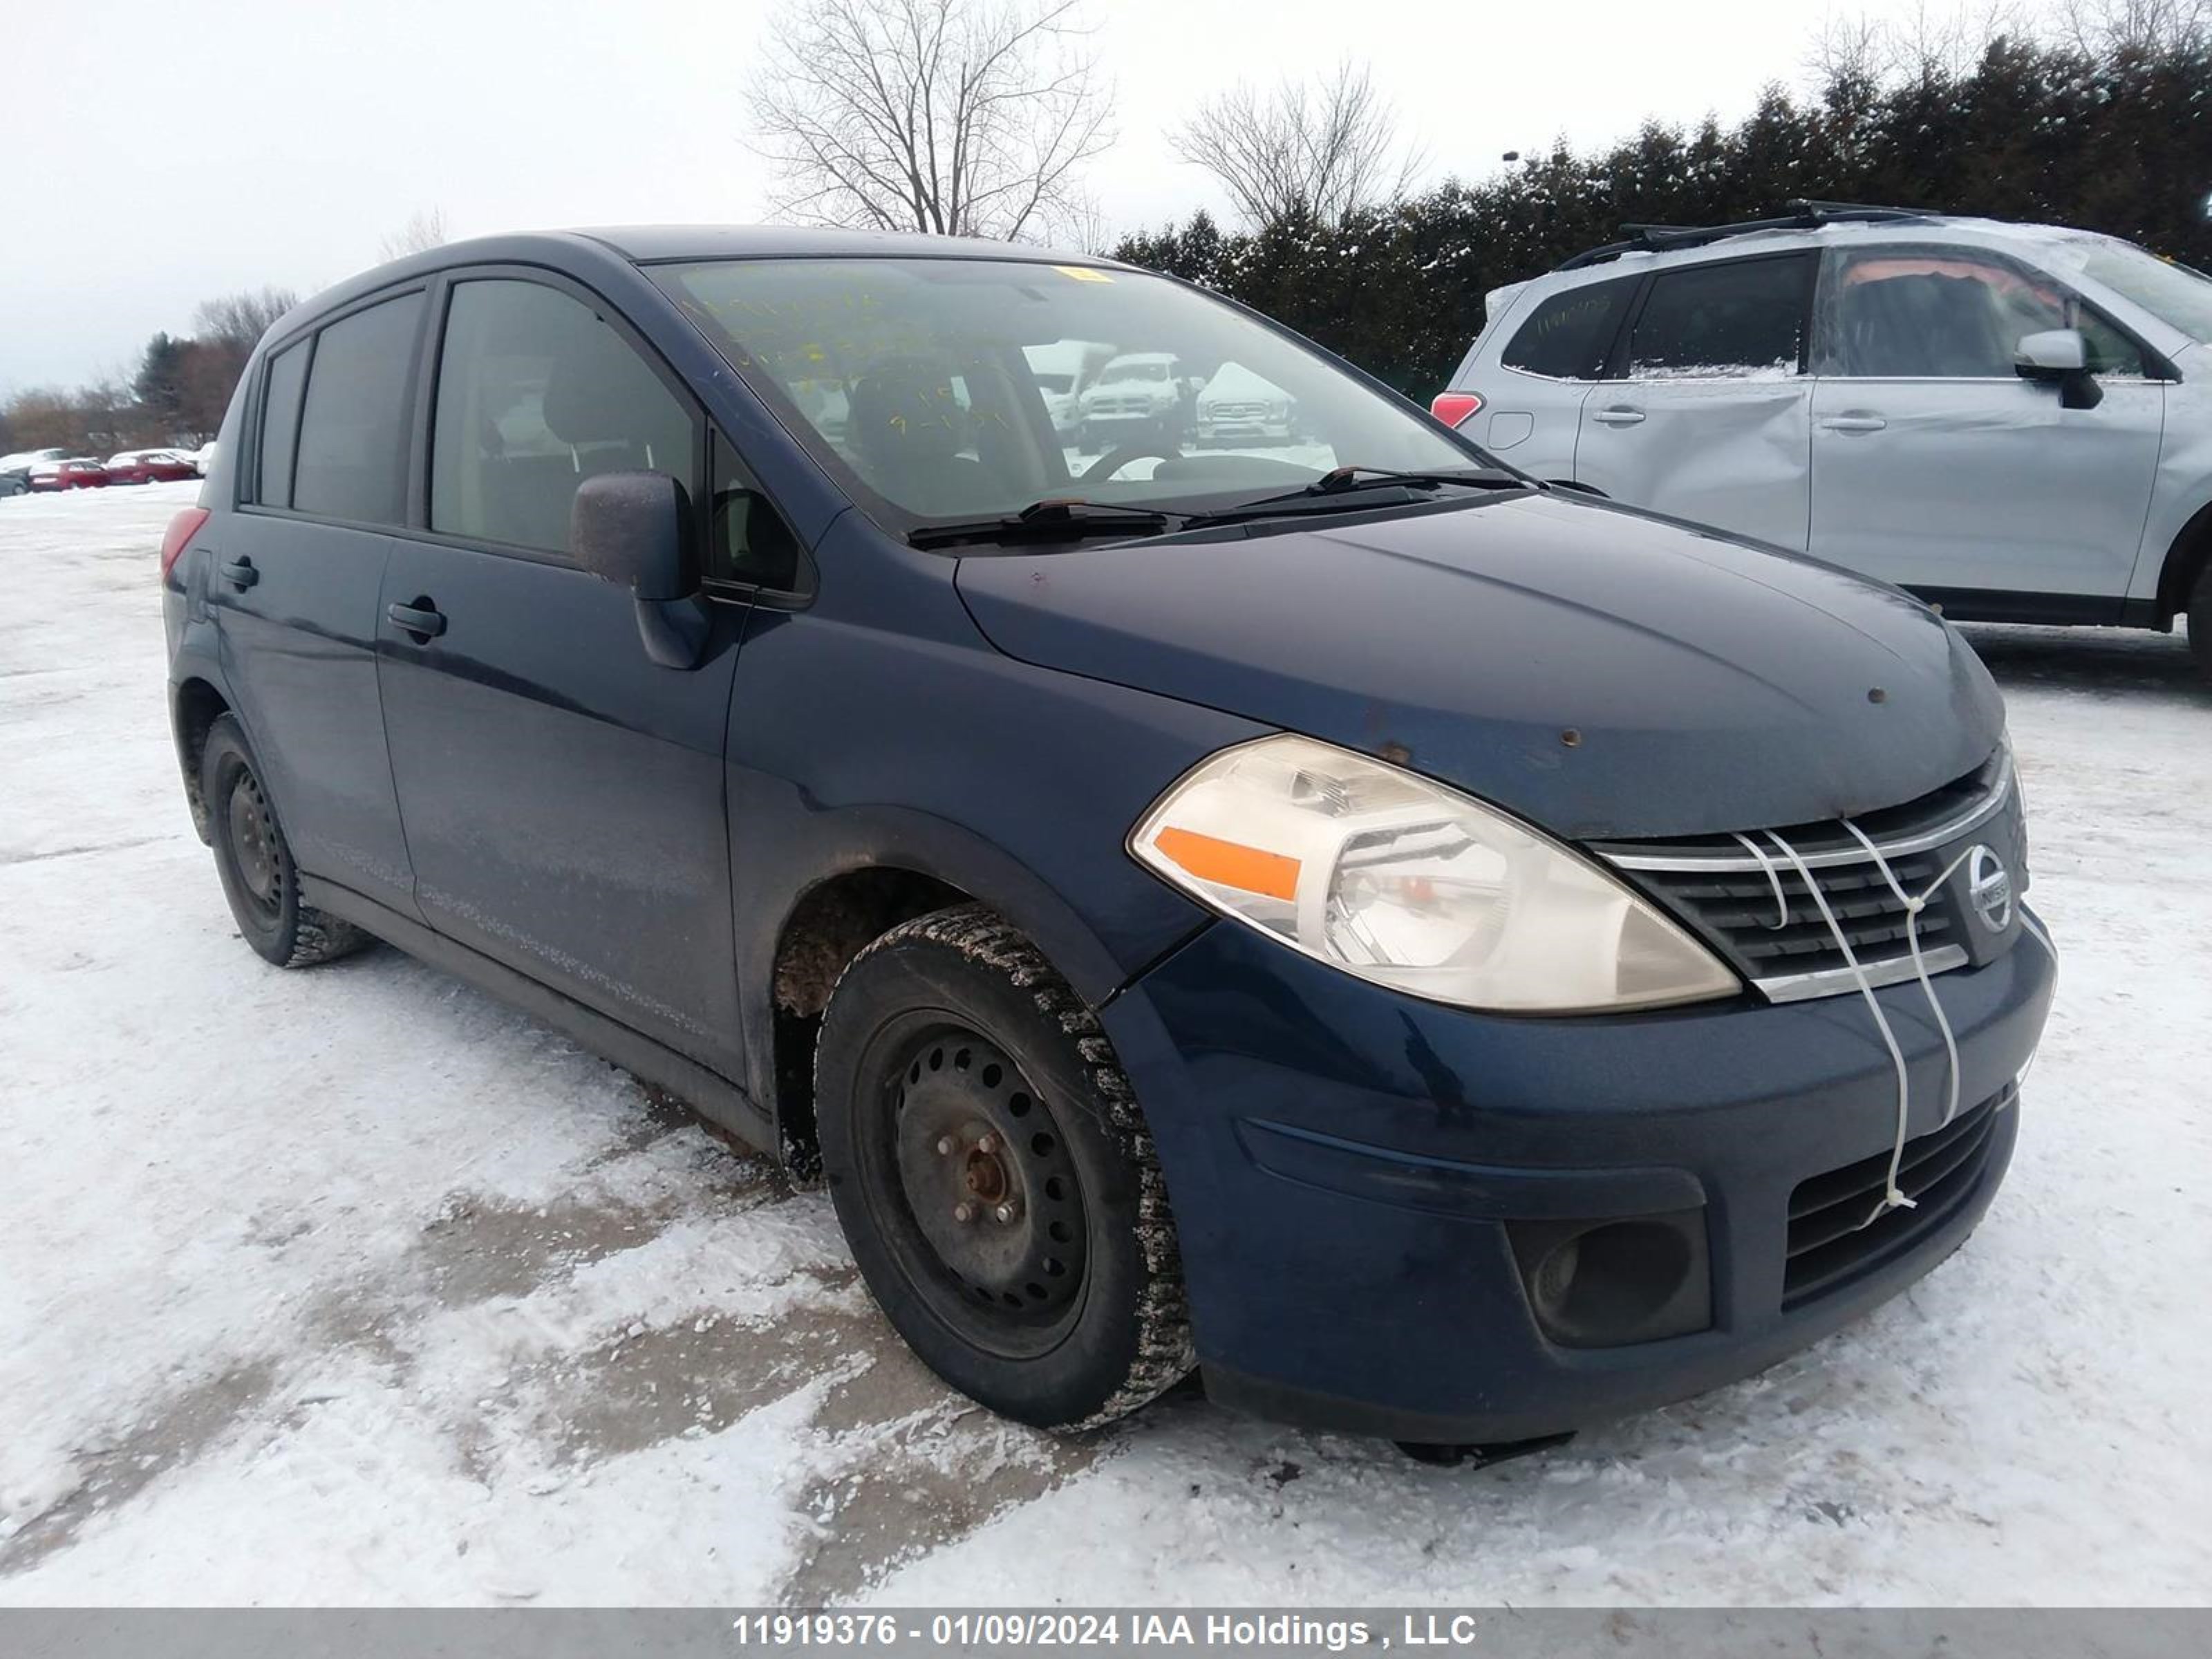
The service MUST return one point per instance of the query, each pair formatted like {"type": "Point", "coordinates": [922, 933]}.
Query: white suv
{"type": "Point", "coordinates": [2014, 422]}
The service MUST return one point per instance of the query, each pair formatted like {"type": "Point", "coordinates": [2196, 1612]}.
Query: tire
{"type": "Point", "coordinates": [947, 1031]}
{"type": "Point", "coordinates": [2200, 622]}
{"type": "Point", "coordinates": [255, 861]}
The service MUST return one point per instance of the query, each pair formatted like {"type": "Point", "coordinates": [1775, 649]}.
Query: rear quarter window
{"type": "Point", "coordinates": [1569, 334]}
{"type": "Point", "coordinates": [279, 424]}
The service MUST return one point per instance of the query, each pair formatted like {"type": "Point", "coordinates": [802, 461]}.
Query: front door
{"type": "Point", "coordinates": [293, 584]}
{"type": "Point", "coordinates": [1708, 414]}
{"type": "Point", "coordinates": [1936, 467]}
{"type": "Point", "coordinates": [563, 794]}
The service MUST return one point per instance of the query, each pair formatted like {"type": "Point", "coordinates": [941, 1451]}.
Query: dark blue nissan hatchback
{"type": "Point", "coordinates": [1446, 957]}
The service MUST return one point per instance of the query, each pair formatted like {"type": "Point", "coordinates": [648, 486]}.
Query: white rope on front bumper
{"type": "Point", "coordinates": [1893, 1198]}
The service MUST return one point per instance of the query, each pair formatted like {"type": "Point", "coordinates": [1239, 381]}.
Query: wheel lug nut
{"type": "Point", "coordinates": [963, 1212]}
{"type": "Point", "coordinates": [988, 1144]}
{"type": "Point", "coordinates": [1003, 1213]}
{"type": "Point", "coordinates": [944, 1146]}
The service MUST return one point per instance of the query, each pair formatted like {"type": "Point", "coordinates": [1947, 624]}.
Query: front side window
{"type": "Point", "coordinates": [352, 459]}
{"type": "Point", "coordinates": [280, 422]}
{"type": "Point", "coordinates": [955, 390]}
{"type": "Point", "coordinates": [1568, 335]}
{"type": "Point", "coordinates": [1937, 314]}
{"type": "Point", "coordinates": [1743, 320]}
{"type": "Point", "coordinates": [536, 394]}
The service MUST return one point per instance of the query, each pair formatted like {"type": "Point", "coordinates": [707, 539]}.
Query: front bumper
{"type": "Point", "coordinates": [1114, 420]}
{"type": "Point", "coordinates": [1265, 431]}
{"type": "Point", "coordinates": [1345, 1162]}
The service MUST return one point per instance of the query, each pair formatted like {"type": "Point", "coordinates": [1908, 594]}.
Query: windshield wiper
{"type": "Point", "coordinates": [1053, 521]}
{"type": "Point", "coordinates": [1320, 495]}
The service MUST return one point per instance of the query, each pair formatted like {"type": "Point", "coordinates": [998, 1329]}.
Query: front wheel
{"type": "Point", "coordinates": [995, 1176]}
{"type": "Point", "coordinates": [255, 860]}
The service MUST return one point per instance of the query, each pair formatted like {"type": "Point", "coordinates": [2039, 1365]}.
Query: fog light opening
{"type": "Point", "coordinates": [1599, 1285]}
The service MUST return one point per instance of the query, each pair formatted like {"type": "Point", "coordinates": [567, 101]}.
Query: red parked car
{"type": "Point", "coordinates": [85, 474]}
{"type": "Point", "coordinates": [136, 466]}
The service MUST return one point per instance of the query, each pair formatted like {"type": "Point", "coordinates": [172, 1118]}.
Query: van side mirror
{"type": "Point", "coordinates": [2060, 356]}
{"type": "Point", "coordinates": [633, 528]}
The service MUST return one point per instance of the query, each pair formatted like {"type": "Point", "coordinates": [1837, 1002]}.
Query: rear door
{"type": "Point", "coordinates": [1706, 411]}
{"type": "Point", "coordinates": [1937, 467]}
{"type": "Point", "coordinates": [296, 571]}
{"type": "Point", "coordinates": [563, 794]}
{"type": "Point", "coordinates": [1553, 353]}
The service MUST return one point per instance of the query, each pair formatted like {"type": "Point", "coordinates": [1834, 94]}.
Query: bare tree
{"type": "Point", "coordinates": [2149, 27]}
{"type": "Point", "coordinates": [236, 321]}
{"type": "Point", "coordinates": [958, 118]}
{"type": "Point", "coordinates": [1931, 44]}
{"type": "Point", "coordinates": [425, 229]}
{"type": "Point", "coordinates": [1326, 149]}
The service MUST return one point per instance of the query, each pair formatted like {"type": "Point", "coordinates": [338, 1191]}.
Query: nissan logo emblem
{"type": "Point", "coordinates": [1989, 889]}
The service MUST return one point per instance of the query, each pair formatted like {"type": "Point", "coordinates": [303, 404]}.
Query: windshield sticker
{"type": "Point", "coordinates": [1083, 273]}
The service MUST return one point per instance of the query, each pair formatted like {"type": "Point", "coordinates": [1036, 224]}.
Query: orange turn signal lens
{"type": "Point", "coordinates": [1231, 863]}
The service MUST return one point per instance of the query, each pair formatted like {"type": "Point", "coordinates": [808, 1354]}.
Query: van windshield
{"type": "Point", "coordinates": [923, 383]}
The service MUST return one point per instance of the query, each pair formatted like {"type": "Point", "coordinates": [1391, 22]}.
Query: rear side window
{"type": "Point", "coordinates": [536, 394]}
{"type": "Point", "coordinates": [352, 461]}
{"type": "Point", "coordinates": [1744, 319]}
{"type": "Point", "coordinates": [1569, 334]}
{"type": "Point", "coordinates": [279, 424]}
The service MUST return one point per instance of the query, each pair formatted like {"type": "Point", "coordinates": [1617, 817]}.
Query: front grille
{"type": "Point", "coordinates": [1719, 887]}
{"type": "Point", "coordinates": [1831, 1238]}
{"type": "Point", "coordinates": [1739, 912]}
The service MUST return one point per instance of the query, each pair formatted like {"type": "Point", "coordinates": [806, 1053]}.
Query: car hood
{"type": "Point", "coordinates": [1600, 671]}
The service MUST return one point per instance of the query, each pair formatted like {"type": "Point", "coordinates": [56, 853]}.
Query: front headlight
{"type": "Point", "coordinates": [1402, 881]}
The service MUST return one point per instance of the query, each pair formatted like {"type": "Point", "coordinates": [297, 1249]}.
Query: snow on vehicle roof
{"type": "Point", "coordinates": [1234, 381]}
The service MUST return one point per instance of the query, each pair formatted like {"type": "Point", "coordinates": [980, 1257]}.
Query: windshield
{"type": "Point", "coordinates": [919, 382]}
{"type": "Point", "coordinates": [2175, 295]}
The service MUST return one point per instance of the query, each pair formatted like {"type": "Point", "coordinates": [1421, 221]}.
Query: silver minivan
{"type": "Point", "coordinates": [2014, 422]}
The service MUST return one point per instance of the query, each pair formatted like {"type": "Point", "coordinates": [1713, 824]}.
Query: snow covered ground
{"type": "Point", "coordinates": [351, 1286]}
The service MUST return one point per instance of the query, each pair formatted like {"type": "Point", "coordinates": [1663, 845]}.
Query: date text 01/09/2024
{"type": "Point", "coordinates": [962, 1629]}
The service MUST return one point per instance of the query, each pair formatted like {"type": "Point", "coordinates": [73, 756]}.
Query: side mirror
{"type": "Point", "coordinates": [2061, 356]}
{"type": "Point", "coordinates": [2052, 353]}
{"type": "Point", "coordinates": [633, 528]}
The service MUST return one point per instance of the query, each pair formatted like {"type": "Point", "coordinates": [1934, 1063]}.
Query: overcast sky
{"type": "Point", "coordinates": [157, 152]}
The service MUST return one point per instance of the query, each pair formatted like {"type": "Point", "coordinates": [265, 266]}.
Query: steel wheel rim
{"type": "Point", "coordinates": [253, 845]}
{"type": "Point", "coordinates": [960, 1126]}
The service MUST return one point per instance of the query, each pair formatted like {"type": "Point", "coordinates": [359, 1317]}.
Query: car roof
{"type": "Point", "coordinates": [658, 244]}
{"type": "Point", "coordinates": [650, 245]}
{"type": "Point", "coordinates": [1961, 230]}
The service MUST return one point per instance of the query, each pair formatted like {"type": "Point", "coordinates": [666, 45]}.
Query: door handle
{"type": "Point", "coordinates": [422, 620]}
{"type": "Point", "coordinates": [241, 573]}
{"type": "Point", "coordinates": [1618, 416]}
{"type": "Point", "coordinates": [1854, 423]}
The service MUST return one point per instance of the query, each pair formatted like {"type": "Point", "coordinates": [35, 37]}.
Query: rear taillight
{"type": "Point", "coordinates": [182, 528]}
{"type": "Point", "coordinates": [1454, 408]}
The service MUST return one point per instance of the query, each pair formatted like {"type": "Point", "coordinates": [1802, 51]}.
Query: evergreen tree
{"type": "Point", "coordinates": [160, 384]}
{"type": "Point", "coordinates": [2112, 134]}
